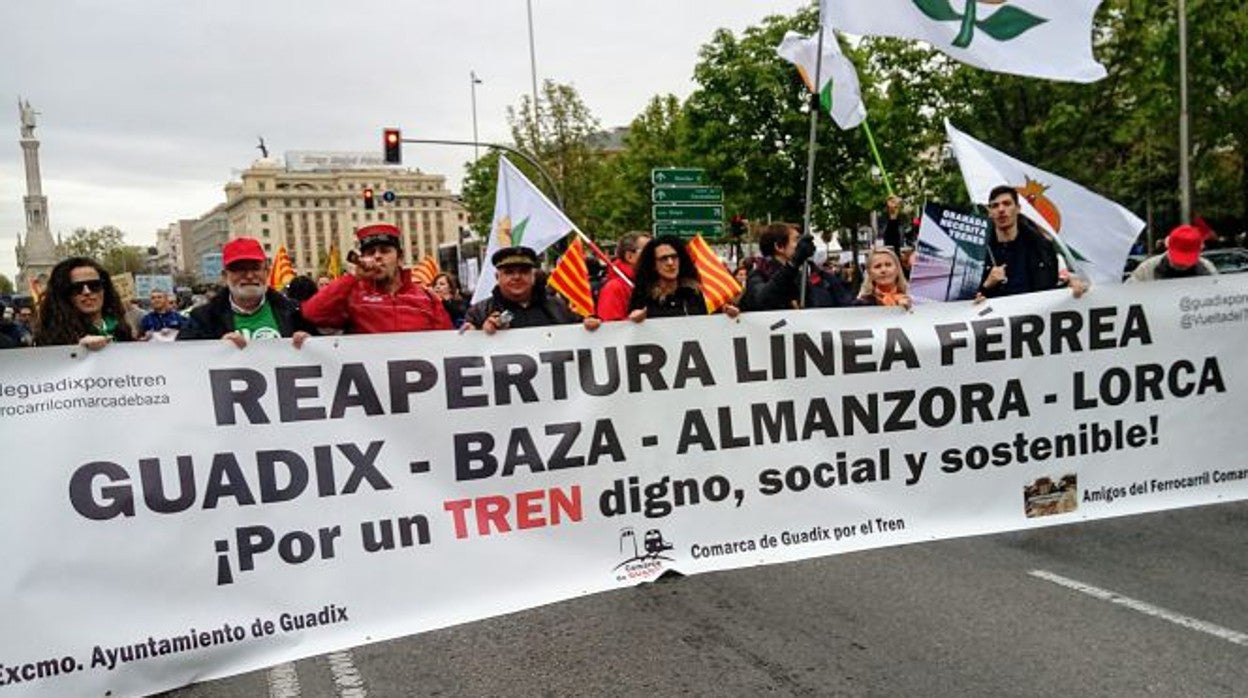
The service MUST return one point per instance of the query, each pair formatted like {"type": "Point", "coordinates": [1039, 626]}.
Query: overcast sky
{"type": "Point", "coordinates": [148, 107]}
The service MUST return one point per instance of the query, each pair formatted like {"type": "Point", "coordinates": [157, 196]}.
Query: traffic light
{"type": "Point", "coordinates": [393, 144]}
{"type": "Point", "coordinates": [738, 227]}
{"type": "Point", "coordinates": [369, 202]}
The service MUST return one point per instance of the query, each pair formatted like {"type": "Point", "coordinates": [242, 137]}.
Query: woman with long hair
{"type": "Point", "coordinates": [884, 283]}
{"type": "Point", "coordinates": [80, 306]}
{"type": "Point", "coordinates": [446, 287]}
{"type": "Point", "coordinates": [666, 283]}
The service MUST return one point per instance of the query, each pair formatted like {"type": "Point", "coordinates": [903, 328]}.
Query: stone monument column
{"type": "Point", "coordinates": [38, 255]}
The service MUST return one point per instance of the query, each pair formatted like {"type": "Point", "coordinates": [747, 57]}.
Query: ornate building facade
{"type": "Point", "coordinates": [314, 201]}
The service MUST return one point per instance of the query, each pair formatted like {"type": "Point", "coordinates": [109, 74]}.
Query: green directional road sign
{"type": "Point", "coordinates": [687, 229]}
{"type": "Point", "coordinates": [676, 175]}
{"type": "Point", "coordinates": [678, 212]}
{"type": "Point", "coordinates": [708, 195]}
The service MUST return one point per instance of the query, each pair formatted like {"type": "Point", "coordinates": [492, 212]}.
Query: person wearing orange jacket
{"type": "Point", "coordinates": [380, 296]}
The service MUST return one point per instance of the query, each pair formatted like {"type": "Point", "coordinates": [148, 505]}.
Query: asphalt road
{"type": "Point", "coordinates": [1146, 605]}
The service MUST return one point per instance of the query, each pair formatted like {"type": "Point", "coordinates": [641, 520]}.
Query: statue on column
{"type": "Point", "coordinates": [28, 119]}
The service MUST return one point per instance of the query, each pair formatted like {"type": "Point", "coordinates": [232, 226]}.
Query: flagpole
{"type": "Point", "coordinates": [1185, 176]}
{"type": "Point", "coordinates": [888, 184]}
{"type": "Point", "coordinates": [816, 105]}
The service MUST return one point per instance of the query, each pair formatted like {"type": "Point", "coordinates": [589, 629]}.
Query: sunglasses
{"type": "Point", "coordinates": [88, 286]}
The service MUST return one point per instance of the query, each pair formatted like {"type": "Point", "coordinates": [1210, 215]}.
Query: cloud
{"type": "Point", "coordinates": [149, 107]}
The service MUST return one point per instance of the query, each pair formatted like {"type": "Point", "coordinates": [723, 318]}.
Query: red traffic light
{"type": "Point", "coordinates": [392, 143]}
{"type": "Point", "coordinates": [369, 202]}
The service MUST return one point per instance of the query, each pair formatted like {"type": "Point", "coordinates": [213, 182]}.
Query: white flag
{"type": "Point", "coordinates": [1042, 38]}
{"type": "Point", "coordinates": [522, 216]}
{"type": "Point", "coordinates": [838, 91]}
{"type": "Point", "coordinates": [1096, 231]}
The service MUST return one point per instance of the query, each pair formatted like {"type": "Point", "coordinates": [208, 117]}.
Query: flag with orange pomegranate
{"type": "Point", "coordinates": [1094, 233]}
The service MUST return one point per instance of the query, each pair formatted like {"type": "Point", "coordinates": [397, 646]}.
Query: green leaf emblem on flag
{"type": "Point", "coordinates": [1006, 23]}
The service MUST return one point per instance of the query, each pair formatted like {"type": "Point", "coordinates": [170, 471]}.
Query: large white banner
{"type": "Point", "coordinates": [176, 513]}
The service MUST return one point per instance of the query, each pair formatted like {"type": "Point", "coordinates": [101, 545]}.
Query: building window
{"type": "Point", "coordinates": [264, 218]}
{"type": "Point", "coordinates": [260, 185]}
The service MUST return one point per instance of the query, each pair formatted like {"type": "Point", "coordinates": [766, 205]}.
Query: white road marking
{"type": "Point", "coordinates": [1208, 628]}
{"type": "Point", "coordinates": [283, 681]}
{"type": "Point", "coordinates": [347, 678]}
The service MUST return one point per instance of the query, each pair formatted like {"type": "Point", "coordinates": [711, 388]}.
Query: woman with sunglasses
{"type": "Point", "coordinates": [666, 283]}
{"type": "Point", "coordinates": [80, 306]}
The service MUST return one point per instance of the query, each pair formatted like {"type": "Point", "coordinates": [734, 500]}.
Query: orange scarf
{"type": "Point", "coordinates": [889, 297]}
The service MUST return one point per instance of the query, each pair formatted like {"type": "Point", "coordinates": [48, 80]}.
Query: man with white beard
{"type": "Point", "coordinates": [247, 309]}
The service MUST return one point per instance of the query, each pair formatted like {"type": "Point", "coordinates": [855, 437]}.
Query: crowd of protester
{"type": "Point", "coordinates": [650, 277]}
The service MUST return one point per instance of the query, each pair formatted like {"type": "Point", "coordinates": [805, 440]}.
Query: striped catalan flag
{"type": "Point", "coordinates": [719, 286]}
{"type": "Point", "coordinates": [426, 271]}
{"type": "Point", "coordinates": [570, 279]}
{"type": "Point", "coordinates": [333, 265]}
{"type": "Point", "coordinates": [282, 272]}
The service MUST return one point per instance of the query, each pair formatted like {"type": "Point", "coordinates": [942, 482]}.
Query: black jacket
{"type": "Point", "coordinates": [545, 310]}
{"type": "Point", "coordinates": [1040, 254]}
{"type": "Point", "coordinates": [215, 319]}
{"type": "Point", "coordinates": [685, 300]}
{"type": "Point", "coordinates": [775, 285]}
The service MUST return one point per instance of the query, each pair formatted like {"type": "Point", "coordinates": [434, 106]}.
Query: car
{"type": "Point", "coordinates": [1230, 260]}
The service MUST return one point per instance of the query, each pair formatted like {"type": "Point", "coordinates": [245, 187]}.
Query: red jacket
{"type": "Point", "coordinates": [359, 307]}
{"type": "Point", "coordinates": [613, 298]}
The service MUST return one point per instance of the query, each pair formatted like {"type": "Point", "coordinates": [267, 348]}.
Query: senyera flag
{"type": "Point", "coordinates": [1095, 231]}
{"type": "Point", "coordinates": [333, 265]}
{"type": "Point", "coordinates": [282, 271]}
{"type": "Point", "coordinates": [718, 285]}
{"type": "Point", "coordinates": [1040, 38]}
{"type": "Point", "coordinates": [838, 89]}
{"type": "Point", "coordinates": [522, 216]}
{"type": "Point", "coordinates": [570, 279]}
{"type": "Point", "coordinates": [426, 271]}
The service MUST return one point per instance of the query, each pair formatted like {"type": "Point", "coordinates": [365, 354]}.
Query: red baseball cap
{"type": "Point", "coordinates": [242, 249]}
{"type": "Point", "coordinates": [1183, 245]}
{"type": "Point", "coordinates": [378, 234]}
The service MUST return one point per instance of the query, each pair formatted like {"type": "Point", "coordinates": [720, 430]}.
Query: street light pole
{"type": "Point", "coordinates": [533, 72]}
{"type": "Point", "coordinates": [550, 182]}
{"type": "Point", "coordinates": [476, 152]}
{"type": "Point", "coordinates": [1185, 175]}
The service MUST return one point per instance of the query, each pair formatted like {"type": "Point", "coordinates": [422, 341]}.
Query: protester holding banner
{"type": "Point", "coordinates": [1180, 260]}
{"type": "Point", "coordinates": [885, 284]}
{"type": "Point", "coordinates": [776, 279]}
{"type": "Point", "coordinates": [80, 306]}
{"type": "Point", "coordinates": [1020, 258]}
{"type": "Point", "coordinates": [613, 299]}
{"type": "Point", "coordinates": [518, 299]}
{"type": "Point", "coordinates": [379, 295]}
{"type": "Point", "coordinates": [667, 283]}
{"type": "Point", "coordinates": [248, 309]}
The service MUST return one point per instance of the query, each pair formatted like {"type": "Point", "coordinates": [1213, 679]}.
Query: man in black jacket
{"type": "Point", "coordinates": [247, 309]}
{"type": "Point", "coordinates": [518, 300]}
{"type": "Point", "coordinates": [775, 282]}
{"type": "Point", "coordinates": [1020, 258]}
